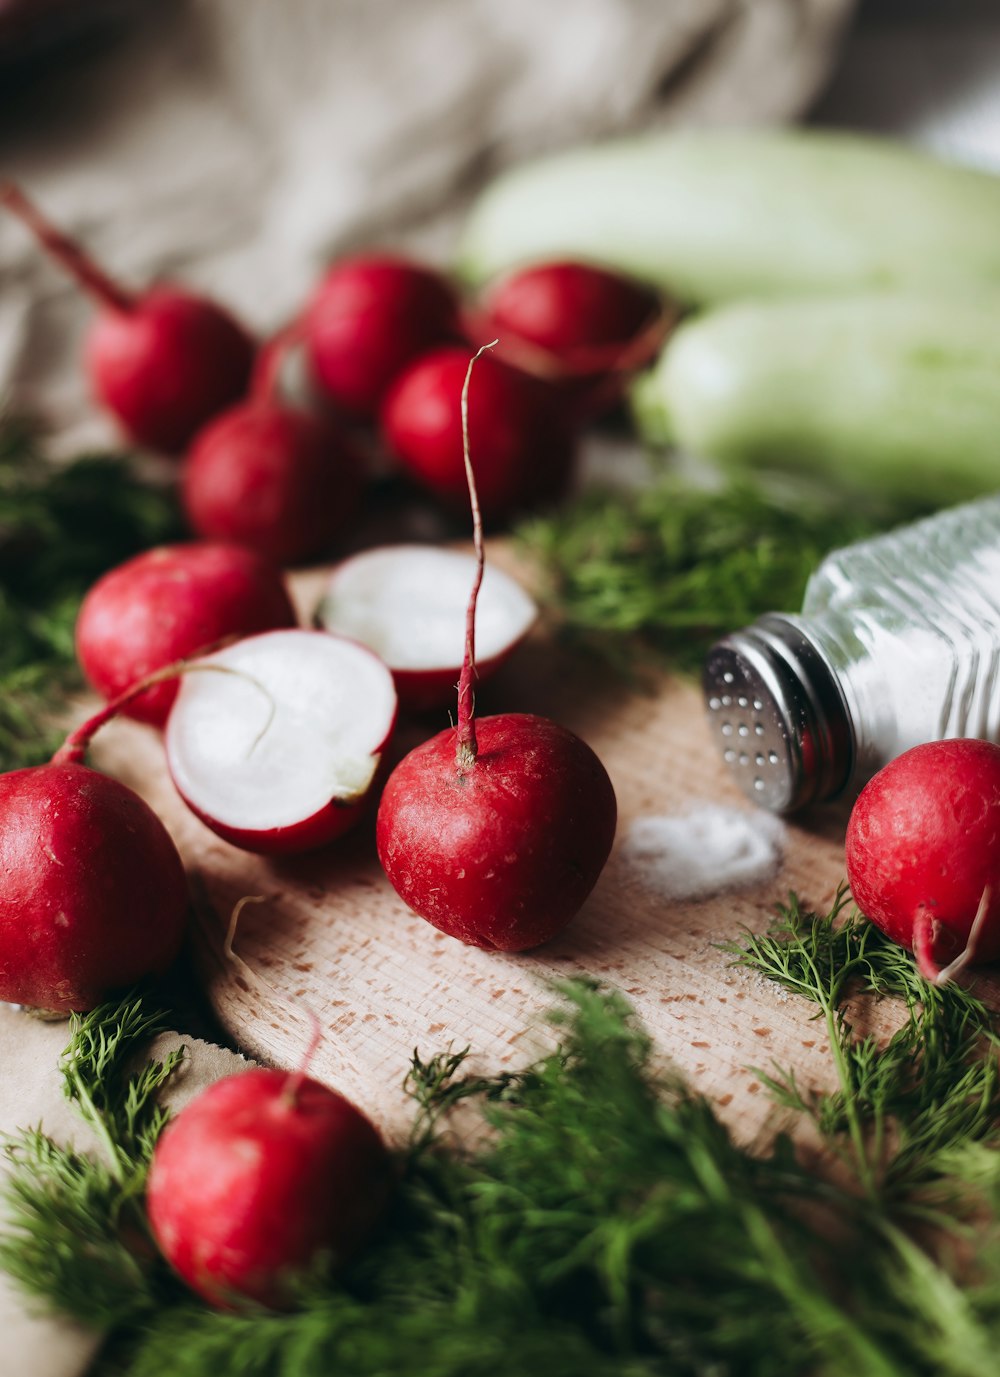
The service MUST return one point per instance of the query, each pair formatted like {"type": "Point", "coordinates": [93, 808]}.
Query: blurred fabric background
{"type": "Point", "coordinates": [238, 144]}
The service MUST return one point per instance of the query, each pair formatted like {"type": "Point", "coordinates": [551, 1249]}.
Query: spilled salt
{"type": "Point", "coordinates": [706, 851]}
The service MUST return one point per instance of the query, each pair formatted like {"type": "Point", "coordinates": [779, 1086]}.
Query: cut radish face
{"type": "Point", "coordinates": [276, 746]}
{"type": "Point", "coordinates": [408, 603]}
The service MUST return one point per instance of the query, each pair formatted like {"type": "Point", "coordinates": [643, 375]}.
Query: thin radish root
{"type": "Point", "coordinates": [295, 1078]}
{"type": "Point", "coordinates": [924, 937]}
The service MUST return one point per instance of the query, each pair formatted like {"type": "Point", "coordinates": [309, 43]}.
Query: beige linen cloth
{"type": "Point", "coordinates": [237, 144]}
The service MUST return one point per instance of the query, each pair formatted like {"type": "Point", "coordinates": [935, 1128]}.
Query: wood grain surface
{"type": "Point", "coordinates": [331, 936]}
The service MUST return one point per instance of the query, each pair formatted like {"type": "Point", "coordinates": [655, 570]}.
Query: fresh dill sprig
{"type": "Point", "coordinates": [76, 1236]}
{"type": "Point", "coordinates": [607, 1225]}
{"type": "Point", "coordinates": [60, 528]}
{"type": "Point", "coordinates": [903, 1106]}
{"type": "Point", "coordinates": [669, 569]}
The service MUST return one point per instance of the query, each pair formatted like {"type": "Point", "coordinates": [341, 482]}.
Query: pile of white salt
{"type": "Point", "coordinates": [703, 852]}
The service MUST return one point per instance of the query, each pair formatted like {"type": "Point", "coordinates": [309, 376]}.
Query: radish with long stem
{"type": "Point", "coordinates": [161, 360]}
{"type": "Point", "coordinates": [497, 829]}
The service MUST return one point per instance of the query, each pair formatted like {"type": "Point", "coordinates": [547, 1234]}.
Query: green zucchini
{"type": "Point", "coordinates": [894, 392]}
{"type": "Point", "coordinates": [711, 215]}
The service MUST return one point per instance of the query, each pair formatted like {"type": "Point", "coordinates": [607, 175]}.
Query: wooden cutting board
{"type": "Point", "coordinates": [331, 935]}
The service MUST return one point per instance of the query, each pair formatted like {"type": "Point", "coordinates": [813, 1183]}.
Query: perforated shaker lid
{"type": "Point", "coordinates": [779, 715]}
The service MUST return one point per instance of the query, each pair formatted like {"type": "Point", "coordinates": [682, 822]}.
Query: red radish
{"type": "Point", "coordinates": [261, 1178]}
{"type": "Point", "coordinates": [166, 604]}
{"type": "Point", "coordinates": [495, 832]}
{"type": "Point", "coordinates": [162, 361]}
{"type": "Point", "coordinates": [279, 752]}
{"type": "Point", "coordinates": [370, 317]}
{"type": "Point", "coordinates": [573, 311]}
{"type": "Point", "coordinates": [92, 890]}
{"type": "Point", "coordinates": [923, 853]}
{"type": "Point", "coordinates": [523, 446]}
{"type": "Point", "coordinates": [275, 477]}
{"type": "Point", "coordinates": [408, 604]}
{"type": "Point", "coordinates": [580, 326]}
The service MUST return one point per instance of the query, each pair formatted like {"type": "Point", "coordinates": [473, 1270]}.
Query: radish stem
{"type": "Point", "coordinates": [92, 279]}
{"type": "Point", "coordinates": [74, 748]}
{"type": "Point", "coordinates": [266, 374]}
{"type": "Point", "coordinates": [465, 745]}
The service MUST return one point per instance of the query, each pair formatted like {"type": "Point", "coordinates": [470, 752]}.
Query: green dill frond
{"type": "Point", "coordinates": [76, 1234]}
{"type": "Point", "coordinates": [607, 1225]}
{"type": "Point", "coordinates": [60, 529]}
{"type": "Point", "coordinates": [118, 1101]}
{"type": "Point", "coordinates": [73, 1234]}
{"type": "Point", "coordinates": [909, 1104]}
{"type": "Point", "coordinates": [669, 569]}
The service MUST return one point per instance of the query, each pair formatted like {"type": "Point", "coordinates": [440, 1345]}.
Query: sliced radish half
{"type": "Point", "coordinates": [408, 603]}
{"type": "Point", "coordinates": [277, 744]}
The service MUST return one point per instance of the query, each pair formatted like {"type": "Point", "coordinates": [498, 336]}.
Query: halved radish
{"type": "Point", "coordinates": [277, 750]}
{"type": "Point", "coordinates": [408, 603]}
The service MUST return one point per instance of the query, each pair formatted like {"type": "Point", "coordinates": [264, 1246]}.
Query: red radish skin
{"type": "Point", "coordinates": [923, 848]}
{"type": "Point", "coordinates": [162, 361]}
{"type": "Point", "coordinates": [310, 834]}
{"type": "Point", "coordinates": [582, 327]}
{"type": "Point", "coordinates": [523, 445]}
{"type": "Point", "coordinates": [503, 854]}
{"type": "Point", "coordinates": [261, 1178]}
{"type": "Point", "coordinates": [167, 604]}
{"type": "Point", "coordinates": [495, 831]}
{"type": "Point", "coordinates": [572, 310]}
{"type": "Point", "coordinates": [272, 476]}
{"type": "Point", "coordinates": [282, 751]}
{"type": "Point", "coordinates": [92, 890]}
{"type": "Point", "coordinates": [370, 317]}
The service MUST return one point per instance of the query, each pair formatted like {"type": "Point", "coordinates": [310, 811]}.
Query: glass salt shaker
{"type": "Point", "coordinates": [898, 642]}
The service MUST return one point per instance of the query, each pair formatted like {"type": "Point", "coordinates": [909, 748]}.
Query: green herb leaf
{"type": "Point", "coordinates": [77, 1236]}
{"type": "Point", "coordinates": [60, 529]}
{"type": "Point", "coordinates": [670, 569]}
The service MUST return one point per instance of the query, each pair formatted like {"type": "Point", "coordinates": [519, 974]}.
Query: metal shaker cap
{"type": "Point", "coordinates": [780, 718]}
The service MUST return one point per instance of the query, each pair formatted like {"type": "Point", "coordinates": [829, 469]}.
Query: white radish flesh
{"type": "Point", "coordinates": [277, 752]}
{"type": "Point", "coordinates": [408, 603]}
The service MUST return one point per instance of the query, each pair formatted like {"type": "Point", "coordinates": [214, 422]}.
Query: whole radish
{"type": "Point", "coordinates": [583, 328]}
{"type": "Point", "coordinates": [92, 890]}
{"type": "Point", "coordinates": [370, 317]}
{"type": "Point", "coordinates": [581, 315]}
{"type": "Point", "coordinates": [166, 604]}
{"type": "Point", "coordinates": [163, 360]}
{"type": "Point", "coordinates": [262, 1178]}
{"type": "Point", "coordinates": [272, 476]}
{"type": "Point", "coordinates": [496, 831]}
{"type": "Point", "coordinates": [923, 853]}
{"type": "Point", "coordinates": [523, 444]}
